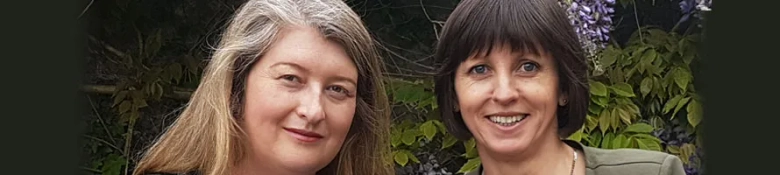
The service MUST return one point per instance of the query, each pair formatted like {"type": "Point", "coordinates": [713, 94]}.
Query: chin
{"type": "Point", "coordinates": [508, 147]}
{"type": "Point", "coordinates": [303, 164]}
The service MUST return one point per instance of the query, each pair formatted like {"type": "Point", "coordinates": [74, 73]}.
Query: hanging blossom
{"type": "Point", "coordinates": [592, 21]}
{"type": "Point", "coordinates": [694, 8]}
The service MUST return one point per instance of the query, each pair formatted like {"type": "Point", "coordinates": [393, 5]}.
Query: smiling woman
{"type": "Point", "coordinates": [293, 88]}
{"type": "Point", "coordinates": [513, 76]}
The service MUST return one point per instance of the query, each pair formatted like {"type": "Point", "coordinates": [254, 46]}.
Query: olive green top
{"type": "Point", "coordinates": [623, 162]}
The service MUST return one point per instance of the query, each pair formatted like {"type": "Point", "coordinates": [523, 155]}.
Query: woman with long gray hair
{"type": "Point", "coordinates": [294, 87]}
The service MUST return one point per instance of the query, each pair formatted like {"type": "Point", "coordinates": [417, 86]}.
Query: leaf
{"type": "Point", "coordinates": [601, 101]}
{"type": "Point", "coordinates": [449, 140]}
{"type": "Point", "coordinates": [409, 136]}
{"type": "Point", "coordinates": [682, 78]}
{"type": "Point", "coordinates": [646, 86]}
{"type": "Point", "coordinates": [686, 151]}
{"type": "Point", "coordinates": [124, 106]}
{"type": "Point", "coordinates": [598, 88]}
{"type": "Point", "coordinates": [440, 125]}
{"type": "Point", "coordinates": [639, 128]}
{"type": "Point", "coordinates": [680, 104]}
{"type": "Point", "coordinates": [609, 56]}
{"type": "Point", "coordinates": [592, 122]}
{"type": "Point", "coordinates": [594, 109]}
{"type": "Point", "coordinates": [470, 144]}
{"type": "Point", "coordinates": [119, 97]}
{"type": "Point", "coordinates": [694, 113]}
{"type": "Point", "coordinates": [395, 139]}
{"type": "Point", "coordinates": [647, 137]}
{"type": "Point", "coordinates": [400, 158]}
{"type": "Point", "coordinates": [428, 129]}
{"type": "Point", "coordinates": [615, 119]}
{"type": "Point", "coordinates": [619, 141]}
{"type": "Point", "coordinates": [623, 89]}
{"type": "Point", "coordinates": [176, 71]}
{"type": "Point", "coordinates": [672, 103]}
{"type": "Point", "coordinates": [604, 121]}
{"type": "Point", "coordinates": [624, 115]}
{"type": "Point", "coordinates": [576, 136]}
{"type": "Point", "coordinates": [606, 142]}
{"type": "Point", "coordinates": [673, 149]}
{"type": "Point", "coordinates": [595, 139]}
{"type": "Point", "coordinates": [470, 165]}
{"type": "Point", "coordinates": [411, 156]}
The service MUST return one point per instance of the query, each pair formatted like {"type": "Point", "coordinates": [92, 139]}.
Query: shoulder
{"type": "Point", "coordinates": [632, 161]}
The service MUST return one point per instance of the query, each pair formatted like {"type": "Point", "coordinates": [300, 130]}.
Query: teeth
{"type": "Point", "coordinates": [507, 120]}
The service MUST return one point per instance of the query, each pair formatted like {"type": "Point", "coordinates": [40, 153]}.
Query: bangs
{"type": "Point", "coordinates": [523, 25]}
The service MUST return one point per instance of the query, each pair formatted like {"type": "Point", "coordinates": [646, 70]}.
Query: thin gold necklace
{"type": "Point", "coordinates": [573, 162]}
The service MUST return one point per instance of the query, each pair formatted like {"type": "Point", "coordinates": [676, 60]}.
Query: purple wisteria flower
{"type": "Point", "coordinates": [694, 8]}
{"type": "Point", "coordinates": [592, 21]}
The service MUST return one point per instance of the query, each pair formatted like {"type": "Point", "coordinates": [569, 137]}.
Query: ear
{"type": "Point", "coordinates": [455, 105]}
{"type": "Point", "coordinates": [563, 99]}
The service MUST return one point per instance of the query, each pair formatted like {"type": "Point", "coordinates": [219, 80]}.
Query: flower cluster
{"type": "Point", "coordinates": [676, 135]}
{"type": "Point", "coordinates": [694, 8]}
{"type": "Point", "coordinates": [592, 21]}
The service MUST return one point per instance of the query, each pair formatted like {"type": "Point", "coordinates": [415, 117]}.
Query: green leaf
{"type": "Point", "coordinates": [449, 140]}
{"type": "Point", "coordinates": [623, 89]}
{"type": "Point", "coordinates": [176, 71]}
{"type": "Point", "coordinates": [672, 103]}
{"type": "Point", "coordinates": [604, 121]}
{"type": "Point", "coordinates": [440, 125]}
{"type": "Point", "coordinates": [619, 141]}
{"type": "Point", "coordinates": [598, 88]}
{"type": "Point", "coordinates": [400, 158]}
{"type": "Point", "coordinates": [694, 113]}
{"type": "Point", "coordinates": [601, 101]}
{"type": "Point", "coordinates": [606, 142]}
{"type": "Point", "coordinates": [639, 128]}
{"type": "Point", "coordinates": [646, 137]}
{"type": "Point", "coordinates": [595, 139]}
{"type": "Point", "coordinates": [673, 149]}
{"type": "Point", "coordinates": [470, 165]}
{"type": "Point", "coordinates": [124, 106]}
{"type": "Point", "coordinates": [470, 144]}
{"type": "Point", "coordinates": [615, 119]}
{"type": "Point", "coordinates": [113, 165]}
{"type": "Point", "coordinates": [428, 129]}
{"type": "Point", "coordinates": [609, 56]}
{"type": "Point", "coordinates": [623, 113]}
{"type": "Point", "coordinates": [576, 136]}
{"type": "Point", "coordinates": [686, 151]}
{"type": "Point", "coordinates": [409, 136]}
{"type": "Point", "coordinates": [680, 104]}
{"type": "Point", "coordinates": [594, 109]}
{"type": "Point", "coordinates": [411, 156]}
{"type": "Point", "coordinates": [682, 78]}
{"type": "Point", "coordinates": [592, 122]}
{"type": "Point", "coordinates": [395, 139]}
{"type": "Point", "coordinates": [119, 97]}
{"type": "Point", "coordinates": [646, 86]}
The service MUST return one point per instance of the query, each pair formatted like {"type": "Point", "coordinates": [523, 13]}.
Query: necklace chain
{"type": "Point", "coordinates": [573, 162]}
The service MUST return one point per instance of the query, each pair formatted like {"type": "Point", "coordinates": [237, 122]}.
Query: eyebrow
{"type": "Point", "coordinates": [307, 71]}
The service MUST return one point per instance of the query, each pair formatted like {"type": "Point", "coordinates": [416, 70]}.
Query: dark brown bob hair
{"type": "Point", "coordinates": [476, 26]}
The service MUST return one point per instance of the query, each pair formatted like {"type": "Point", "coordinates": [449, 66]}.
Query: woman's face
{"type": "Point", "coordinates": [508, 99]}
{"type": "Point", "coordinates": [299, 103]}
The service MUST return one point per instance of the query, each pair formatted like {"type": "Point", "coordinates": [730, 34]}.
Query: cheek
{"type": "Point", "coordinates": [340, 117]}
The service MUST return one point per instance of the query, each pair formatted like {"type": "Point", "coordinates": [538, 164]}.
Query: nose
{"type": "Point", "coordinates": [505, 91]}
{"type": "Point", "coordinates": [311, 108]}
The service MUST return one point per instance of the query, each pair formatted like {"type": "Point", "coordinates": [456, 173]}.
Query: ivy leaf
{"type": "Point", "coordinates": [694, 113]}
{"type": "Point", "coordinates": [623, 89]}
{"type": "Point", "coordinates": [470, 165]}
{"type": "Point", "coordinates": [449, 140]}
{"type": "Point", "coordinates": [395, 139]}
{"type": "Point", "coordinates": [682, 78]}
{"type": "Point", "coordinates": [428, 129]}
{"type": "Point", "coordinates": [471, 150]}
{"type": "Point", "coordinates": [400, 158]}
{"type": "Point", "coordinates": [440, 125]}
{"type": "Point", "coordinates": [604, 121]}
{"type": "Point", "coordinates": [639, 128]}
{"type": "Point", "coordinates": [598, 88]}
{"type": "Point", "coordinates": [119, 97]}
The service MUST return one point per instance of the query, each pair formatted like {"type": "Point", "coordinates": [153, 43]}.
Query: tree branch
{"type": "Point", "coordinates": [178, 93]}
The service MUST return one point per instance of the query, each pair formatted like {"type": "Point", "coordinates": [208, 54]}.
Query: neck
{"type": "Point", "coordinates": [548, 156]}
{"type": "Point", "coordinates": [254, 167]}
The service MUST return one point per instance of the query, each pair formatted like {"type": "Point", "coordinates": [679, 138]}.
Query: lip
{"type": "Point", "coordinates": [304, 135]}
{"type": "Point", "coordinates": [507, 129]}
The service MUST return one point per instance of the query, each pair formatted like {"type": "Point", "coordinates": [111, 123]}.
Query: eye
{"type": "Point", "coordinates": [291, 78]}
{"type": "Point", "coordinates": [529, 67]}
{"type": "Point", "coordinates": [338, 92]}
{"type": "Point", "coordinates": [479, 69]}
{"type": "Point", "coordinates": [338, 89]}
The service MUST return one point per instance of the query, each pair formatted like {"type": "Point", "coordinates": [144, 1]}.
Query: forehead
{"type": "Point", "coordinates": [308, 48]}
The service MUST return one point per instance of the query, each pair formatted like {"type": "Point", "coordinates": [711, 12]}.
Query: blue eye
{"type": "Point", "coordinates": [529, 67]}
{"type": "Point", "coordinates": [480, 69]}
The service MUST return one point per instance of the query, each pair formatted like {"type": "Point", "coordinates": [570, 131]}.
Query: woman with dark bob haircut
{"type": "Point", "coordinates": [514, 77]}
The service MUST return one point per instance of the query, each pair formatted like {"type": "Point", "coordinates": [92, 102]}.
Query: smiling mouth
{"type": "Point", "coordinates": [507, 120]}
{"type": "Point", "coordinates": [303, 135]}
